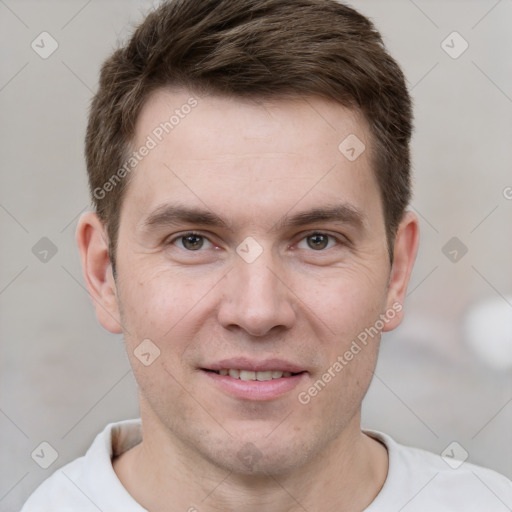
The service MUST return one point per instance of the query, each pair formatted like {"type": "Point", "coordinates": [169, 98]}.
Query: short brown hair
{"type": "Point", "coordinates": [253, 49]}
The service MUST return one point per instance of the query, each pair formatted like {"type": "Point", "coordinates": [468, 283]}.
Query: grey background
{"type": "Point", "coordinates": [63, 377]}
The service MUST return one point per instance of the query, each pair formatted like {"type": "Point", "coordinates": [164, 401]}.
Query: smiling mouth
{"type": "Point", "coordinates": [248, 375]}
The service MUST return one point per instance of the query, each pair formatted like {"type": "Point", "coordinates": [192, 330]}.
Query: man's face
{"type": "Point", "coordinates": [249, 241]}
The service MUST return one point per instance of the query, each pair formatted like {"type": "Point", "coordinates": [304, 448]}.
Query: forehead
{"type": "Point", "coordinates": [208, 148]}
{"type": "Point", "coordinates": [219, 121]}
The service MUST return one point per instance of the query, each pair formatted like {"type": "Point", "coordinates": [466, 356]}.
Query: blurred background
{"type": "Point", "coordinates": [444, 375]}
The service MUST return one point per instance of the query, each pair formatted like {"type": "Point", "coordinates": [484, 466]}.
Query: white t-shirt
{"type": "Point", "coordinates": [417, 481]}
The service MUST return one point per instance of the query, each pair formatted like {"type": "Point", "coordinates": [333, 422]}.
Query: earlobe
{"type": "Point", "coordinates": [405, 249]}
{"type": "Point", "coordinates": [92, 243]}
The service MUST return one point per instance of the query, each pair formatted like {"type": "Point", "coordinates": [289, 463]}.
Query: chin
{"type": "Point", "coordinates": [258, 455]}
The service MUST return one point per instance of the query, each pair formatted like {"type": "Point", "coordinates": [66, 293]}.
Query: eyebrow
{"type": "Point", "coordinates": [342, 213]}
{"type": "Point", "coordinates": [175, 214]}
{"type": "Point", "coordinates": [166, 215]}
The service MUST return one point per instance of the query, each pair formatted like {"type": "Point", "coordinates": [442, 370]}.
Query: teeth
{"type": "Point", "coordinates": [247, 375]}
{"type": "Point", "coordinates": [250, 375]}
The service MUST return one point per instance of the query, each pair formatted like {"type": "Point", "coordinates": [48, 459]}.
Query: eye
{"type": "Point", "coordinates": [317, 241]}
{"type": "Point", "coordinates": [191, 242]}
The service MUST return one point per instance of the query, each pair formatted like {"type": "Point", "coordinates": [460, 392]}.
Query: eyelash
{"type": "Point", "coordinates": [339, 240]}
{"type": "Point", "coordinates": [185, 235]}
{"type": "Point", "coordinates": [328, 235]}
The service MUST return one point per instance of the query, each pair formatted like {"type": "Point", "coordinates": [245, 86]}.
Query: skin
{"type": "Point", "coordinates": [253, 164]}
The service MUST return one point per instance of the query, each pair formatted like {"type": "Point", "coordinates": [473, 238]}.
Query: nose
{"type": "Point", "coordinates": [256, 298]}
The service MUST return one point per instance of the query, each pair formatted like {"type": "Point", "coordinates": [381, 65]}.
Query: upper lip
{"type": "Point", "coordinates": [243, 363]}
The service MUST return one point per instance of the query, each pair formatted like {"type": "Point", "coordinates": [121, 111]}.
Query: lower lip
{"type": "Point", "coordinates": [255, 389]}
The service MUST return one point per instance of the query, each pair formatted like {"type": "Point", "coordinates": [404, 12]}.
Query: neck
{"type": "Point", "coordinates": [347, 475]}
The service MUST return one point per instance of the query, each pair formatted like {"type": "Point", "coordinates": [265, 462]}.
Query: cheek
{"type": "Point", "coordinates": [347, 302]}
{"type": "Point", "coordinates": [157, 303]}
{"type": "Point", "coordinates": [340, 388]}
{"type": "Point", "coordinates": [349, 305]}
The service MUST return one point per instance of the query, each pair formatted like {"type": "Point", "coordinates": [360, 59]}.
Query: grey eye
{"type": "Point", "coordinates": [317, 241]}
{"type": "Point", "coordinates": [192, 242]}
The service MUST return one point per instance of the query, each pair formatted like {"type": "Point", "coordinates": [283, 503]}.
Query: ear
{"type": "Point", "coordinates": [92, 243]}
{"type": "Point", "coordinates": [405, 249]}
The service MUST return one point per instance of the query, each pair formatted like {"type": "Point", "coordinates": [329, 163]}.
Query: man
{"type": "Point", "coordinates": [249, 167]}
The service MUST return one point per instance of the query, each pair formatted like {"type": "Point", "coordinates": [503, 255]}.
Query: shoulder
{"type": "Point", "coordinates": [420, 480]}
{"type": "Point", "coordinates": [89, 483]}
{"type": "Point", "coordinates": [60, 490]}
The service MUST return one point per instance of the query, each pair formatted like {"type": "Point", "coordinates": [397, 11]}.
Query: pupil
{"type": "Point", "coordinates": [317, 241]}
{"type": "Point", "coordinates": [193, 242]}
